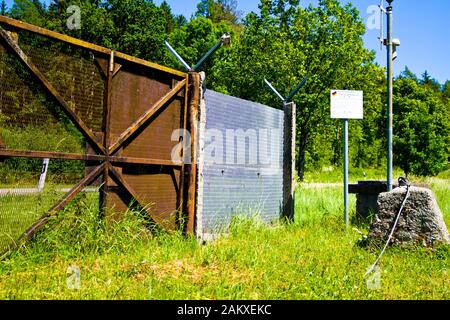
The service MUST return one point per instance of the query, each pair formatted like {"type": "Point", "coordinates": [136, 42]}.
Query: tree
{"type": "Point", "coordinates": [218, 11]}
{"type": "Point", "coordinates": [446, 90]}
{"type": "Point", "coordinates": [194, 39]}
{"type": "Point", "coordinates": [430, 82]}
{"type": "Point", "coordinates": [422, 128]}
{"type": "Point", "coordinates": [31, 11]}
{"type": "Point", "coordinates": [3, 8]}
{"type": "Point", "coordinates": [168, 16]}
{"type": "Point", "coordinates": [285, 42]}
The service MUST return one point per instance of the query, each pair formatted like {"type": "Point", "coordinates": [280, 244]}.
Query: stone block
{"type": "Point", "coordinates": [421, 222]}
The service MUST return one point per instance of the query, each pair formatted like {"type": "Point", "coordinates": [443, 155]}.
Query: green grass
{"type": "Point", "coordinates": [48, 137]}
{"type": "Point", "coordinates": [315, 258]}
{"type": "Point", "coordinates": [18, 212]}
{"type": "Point", "coordinates": [336, 175]}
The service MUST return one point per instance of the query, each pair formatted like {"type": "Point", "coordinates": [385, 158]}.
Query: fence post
{"type": "Point", "coordinates": [194, 102]}
{"type": "Point", "coordinates": [201, 159]}
{"type": "Point", "coordinates": [289, 161]}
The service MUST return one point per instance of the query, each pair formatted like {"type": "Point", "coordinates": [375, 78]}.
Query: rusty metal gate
{"type": "Point", "coordinates": [124, 110]}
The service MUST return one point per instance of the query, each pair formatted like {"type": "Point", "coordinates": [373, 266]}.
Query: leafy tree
{"type": "Point", "coordinates": [220, 10]}
{"type": "Point", "coordinates": [168, 16]}
{"type": "Point", "coordinates": [31, 11]}
{"type": "Point", "coordinates": [285, 42]}
{"type": "Point", "coordinates": [422, 128]}
{"type": "Point", "coordinates": [430, 82]}
{"type": "Point", "coordinates": [446, 90]}
{"type": "Point", "coordinates": [194, 39]}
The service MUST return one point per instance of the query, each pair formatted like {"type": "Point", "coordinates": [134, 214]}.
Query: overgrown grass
{"type": "Point", "coordinates": [336, 175]}
{"type": "Point", "coordinates": [51, 137]}
{"type": "Point", "coordinates": [18, 212]}
{"type": "Point", "coordinates": [314, 258]}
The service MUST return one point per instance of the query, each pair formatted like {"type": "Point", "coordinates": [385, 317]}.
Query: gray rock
{"type": "Point", "coordinates": [421, 222]}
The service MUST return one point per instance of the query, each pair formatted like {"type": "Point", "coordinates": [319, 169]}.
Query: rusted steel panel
{"type": "Point", "coordinates": [139, 127]}
{"type": "Point", "coordinates": [126, 108]}
{"type": "Point", "coordinates": [144, 135]}
{"type": "Point", "coordinates": [135, 91]}
{"type": "Point", "coordinates": [156, 188]}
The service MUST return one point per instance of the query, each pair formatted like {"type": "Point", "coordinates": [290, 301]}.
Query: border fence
{"type": "Point", "coordinates": [108, 120]}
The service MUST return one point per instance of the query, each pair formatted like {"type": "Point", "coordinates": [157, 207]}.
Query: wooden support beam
{"type": "Point", "coordinates": [11, 153]}
{"type": "Point", "coordinates": [145, 161]}
{"type": "Point", "coordinates": [194, 104]}
{"type": "Point", "coordinates": [104, 189]}
{"type": "Point", "coordinates": [184, 150]}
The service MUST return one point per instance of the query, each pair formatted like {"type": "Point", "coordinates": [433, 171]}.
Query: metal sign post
{"type": "Point", "coordinates": [346, 171]}
{"type": "Point", "coordinates": [345, 105]}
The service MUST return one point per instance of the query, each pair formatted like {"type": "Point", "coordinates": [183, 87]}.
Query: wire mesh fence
{"type": "Point", "coordinates": [30, 119]}
{"type": "Point", "coordinates": [91, 114]}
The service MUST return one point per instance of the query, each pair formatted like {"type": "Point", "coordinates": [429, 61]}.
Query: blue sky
{"type": "Point", "coordinates": [423, 28]}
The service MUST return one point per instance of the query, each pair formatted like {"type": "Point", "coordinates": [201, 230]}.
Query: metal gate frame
{"type": "Point", "coordinates": [106, 150]}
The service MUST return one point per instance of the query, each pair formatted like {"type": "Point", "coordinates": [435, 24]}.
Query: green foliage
{"type": "Point", "coordinates": [194, 39]}
{"type": "Point", "coordinates": [422, 127]}
{"type": "Point", "coordinates": [283, 42]}
{"type": "Point", "coordinates": [219, 10]}
{"type": "Point", "coordinates": [31, 11]}
{"type": "Point", "coordinates": [324, 42]}
{"type": "Point", "coordinates": [3, 8]}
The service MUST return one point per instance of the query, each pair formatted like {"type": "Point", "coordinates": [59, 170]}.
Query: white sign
{"type": "Point", "coordinates": [346, 104]}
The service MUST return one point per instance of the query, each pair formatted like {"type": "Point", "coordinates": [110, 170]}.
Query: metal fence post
{"type": "Point", "coordinates": [194, 103]}
{"type": "Point", "coordinates": [346, 171]}
{"type": "Point", "coordinates": [390, 92]}
{"type": "Point", "coordinates": [289, 161]}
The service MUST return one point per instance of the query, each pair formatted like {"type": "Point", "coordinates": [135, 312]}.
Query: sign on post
{"type": "Point", "coordinates": [346, 104]}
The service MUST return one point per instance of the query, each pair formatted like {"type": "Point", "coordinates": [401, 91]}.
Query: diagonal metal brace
{"type": "Point", "coordinates": [291, 95]}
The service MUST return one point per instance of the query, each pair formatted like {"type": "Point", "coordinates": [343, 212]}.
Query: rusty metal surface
{"type": "Point", "coordinates": [124, 108]}
{"type": "Point", "coordinates": [146, 134]}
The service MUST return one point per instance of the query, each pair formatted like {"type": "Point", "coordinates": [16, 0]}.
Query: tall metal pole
{"type": "Point", "coordinates": [390, 93]}
{"type": "Point", "coordinates": [346, 171]}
